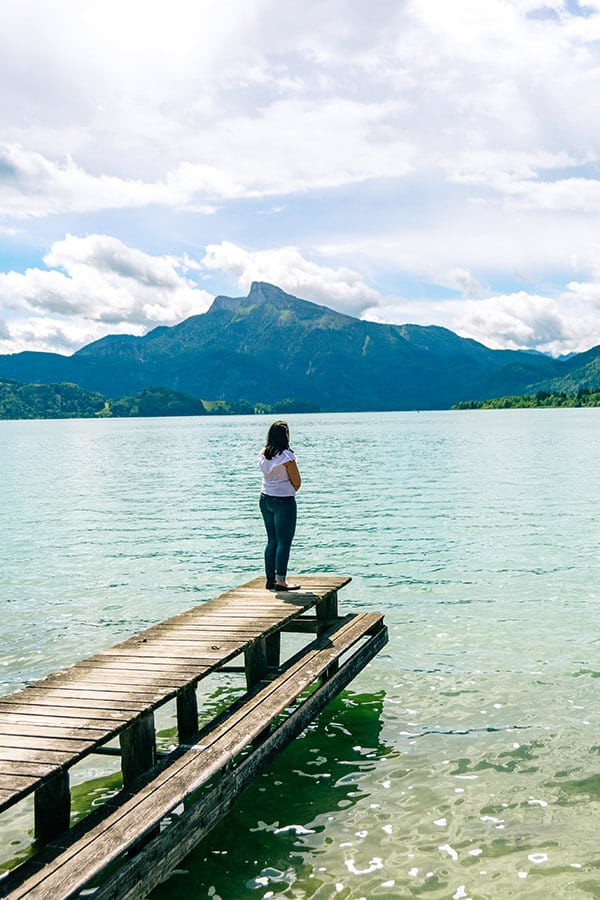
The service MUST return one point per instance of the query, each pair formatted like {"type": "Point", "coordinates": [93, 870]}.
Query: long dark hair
{"type": "Point", "coordinates": [278, 439]}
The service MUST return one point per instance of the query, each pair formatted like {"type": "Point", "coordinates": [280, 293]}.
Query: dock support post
{"type": "Point", "coordinates": [274, 649]}
{"type": "Point", "coordinates": [187, 713]}
{"type": "Point", "coordinates": [138, 746]}
{"type": "Point", "coordinates": [327, 613]}
{"type": "Point", "coordinates": [255, 657]}
{"type": "Point", "coordinates": [52, 808]}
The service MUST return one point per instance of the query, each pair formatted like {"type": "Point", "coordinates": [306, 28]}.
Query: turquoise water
{"type": "Point", "coordinates": [464, 761]}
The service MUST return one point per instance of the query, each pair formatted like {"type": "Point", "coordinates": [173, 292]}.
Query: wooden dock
{"type": "Point", "coordinates": [121, 848]}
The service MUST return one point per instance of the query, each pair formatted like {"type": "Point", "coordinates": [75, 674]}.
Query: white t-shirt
{"type": "Point", "coordinates": [276, 482]}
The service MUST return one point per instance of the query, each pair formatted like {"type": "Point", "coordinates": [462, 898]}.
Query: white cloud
{"type": "Point", "coordinates": [340, 288]}
{"type": "Point", "coordinates": [522, 321]}
{"type": "Point", "coordinates": [519, 321]}
{"type": "Point", "coordinates": [293, 145]}
{"type": "Point", "coordinates": [566, 194]}
{"type": "Point", "coordinates": [32, 186]}
{"type": "Point", "coordinates": [94, 286]}
{"type": "Point", "coordinates": [203, 106]}
{"type": "Point", "coordinates": [433, 144]}
{"type": "Point", "coordinates": [49, 335]}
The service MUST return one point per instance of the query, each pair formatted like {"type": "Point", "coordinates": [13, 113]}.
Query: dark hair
{"type": "Point", "coordinates": [278, 439]}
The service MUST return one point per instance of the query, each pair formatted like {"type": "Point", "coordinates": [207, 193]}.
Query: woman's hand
{"type": "Point", "coordinates": [293, 474]}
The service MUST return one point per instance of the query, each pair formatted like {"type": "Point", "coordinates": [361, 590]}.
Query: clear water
{"type": "Point", "coordinates": [464, 761]}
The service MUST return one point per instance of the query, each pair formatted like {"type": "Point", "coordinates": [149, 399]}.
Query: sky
{"type": "Point", "coordinates": [426, 161]}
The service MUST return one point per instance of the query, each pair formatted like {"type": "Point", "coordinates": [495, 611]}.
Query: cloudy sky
{"type": "Point", "coordinates": [428, 161]}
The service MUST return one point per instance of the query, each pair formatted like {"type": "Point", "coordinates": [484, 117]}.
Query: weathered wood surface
{"type": "Point", "coordinates": [81, 855]}
{"type": "Point", "coordinates": [51, 724]}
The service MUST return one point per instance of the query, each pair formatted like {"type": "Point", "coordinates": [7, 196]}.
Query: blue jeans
{"type": "Point", "coordinates": [279, 514]}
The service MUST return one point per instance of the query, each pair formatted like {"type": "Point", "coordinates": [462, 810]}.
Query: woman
{"type": "Point", "coordinates": [281, 480]}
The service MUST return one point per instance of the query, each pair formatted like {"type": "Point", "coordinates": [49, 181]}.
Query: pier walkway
{"type": "Point", "coordinates": [123, 849]}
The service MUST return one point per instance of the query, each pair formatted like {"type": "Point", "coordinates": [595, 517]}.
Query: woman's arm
{"type": "Point", "coordinates": [293, 474]}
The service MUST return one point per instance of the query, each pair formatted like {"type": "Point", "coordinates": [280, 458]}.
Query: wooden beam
{"type": "Point", "coordinates": [302, 625]}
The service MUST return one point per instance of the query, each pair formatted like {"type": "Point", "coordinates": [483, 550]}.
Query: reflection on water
{"type": "Point", "coordinates": [281, 823]}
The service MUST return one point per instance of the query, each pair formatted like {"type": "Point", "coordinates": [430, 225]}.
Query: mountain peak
{"type": "Point", "coordinates": [260, 292]}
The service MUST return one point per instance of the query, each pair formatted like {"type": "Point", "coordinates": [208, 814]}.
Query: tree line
{"type": "Point", "coordinates": [69, 401]}
{"type": "Point", "coordinates": [541, 399]}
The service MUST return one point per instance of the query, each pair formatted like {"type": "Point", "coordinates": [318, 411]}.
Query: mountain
{"type": "Point", "coordinates": [270, 345]}
{"type": "Point", "coordinates": [579, 370]}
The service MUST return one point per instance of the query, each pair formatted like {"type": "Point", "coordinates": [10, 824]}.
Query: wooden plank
{"type": "Point", "coordinates": [161, 657]}
{"type": "Point", "coordinates": [57, 730]}
{"type": "Point", "coordinates": [98, 671]}
{"type": "Point", "coordinates": [197, 631]}
{"type": "Point", "coordinates": [140, 814]}
{"type": "Point", "coordinates": [75, 691]}
{"type": "Point", "coordinates": [11, 783]}
{"type": "Point", "coordinates": [225, 641]}
{"type": "Point", "coordinates": [145, 686]}
{"type": "Point", "coordinates": [47, 711]}
{"type": "Point", "coordinates": [166, 670]}
{"type": "Point", "coordinates": [79, 681]}
{"type": "Point", "coordinates": [95, 679]}
{"type": "Point", "coordinates": [241, 615]}
{"type": "Point", "coordinates": [197, 641]}
{"type": "Point", "coordinates": [45, 757]}
{"type": "Point", "coordinates": [128, 680]}
{"type": "Point", "coordinates": [36, 770]}
{"type": "Point", "coordinates": [39, 742]}
{"type": "Point", "coordinates": [68, 703]}
{"type": "Point", "coordinates": [94, 676]}
{"type": "Point", "coordinates": [268, 601]}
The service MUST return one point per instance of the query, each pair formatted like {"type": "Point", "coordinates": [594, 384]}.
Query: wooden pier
{"type": "Point", "coordinates": [124, 848]}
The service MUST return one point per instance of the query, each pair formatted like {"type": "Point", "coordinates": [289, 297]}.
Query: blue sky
{"type": "Point", "coordinates": [419, 161]}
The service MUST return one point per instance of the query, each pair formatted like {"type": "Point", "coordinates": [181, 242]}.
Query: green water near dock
{"type": "Point", "coordinates": [464, 761]}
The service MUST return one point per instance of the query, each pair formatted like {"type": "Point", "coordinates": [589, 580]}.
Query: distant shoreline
{"type": "Point", "coordinates": [64, 400]}
{"type": "Point", "coordinates": [540, 400]}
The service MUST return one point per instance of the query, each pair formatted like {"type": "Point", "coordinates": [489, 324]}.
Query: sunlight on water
{"type": "Point", "coordinates": [464, 761]}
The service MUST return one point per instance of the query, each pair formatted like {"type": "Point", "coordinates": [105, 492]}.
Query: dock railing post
{"type": "Point", "coordinates": [138, 748]}
{"type": "Point", "coordinates": [52, 808]}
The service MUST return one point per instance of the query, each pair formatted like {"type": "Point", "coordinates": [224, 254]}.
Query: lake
{"type": "Point", "coordinates": [463, 762]}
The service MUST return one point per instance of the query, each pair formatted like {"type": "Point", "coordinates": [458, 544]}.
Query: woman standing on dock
{"type": "Point", "coordinates": [281, 480]}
